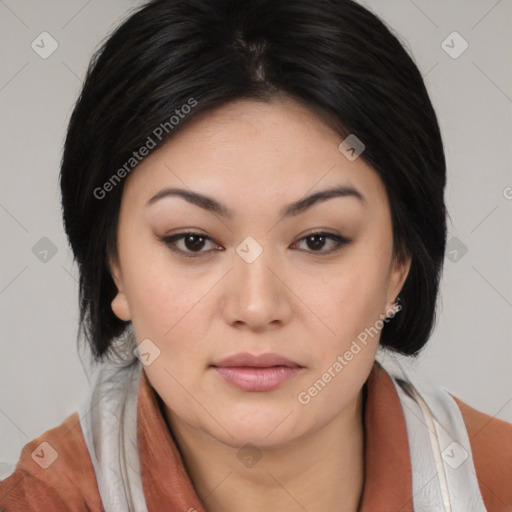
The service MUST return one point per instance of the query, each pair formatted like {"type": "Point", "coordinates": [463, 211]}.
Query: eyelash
{"type": "Point", "coordinates": [341, 241]}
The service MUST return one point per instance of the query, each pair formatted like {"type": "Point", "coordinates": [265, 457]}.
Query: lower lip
{"type": "Point", "coordinates": [257, 379]}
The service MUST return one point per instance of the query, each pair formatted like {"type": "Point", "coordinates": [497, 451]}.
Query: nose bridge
{"type": "Point", "coordinates": [256, 295]}
{"type": "Point", "coordinates": [252, 264]}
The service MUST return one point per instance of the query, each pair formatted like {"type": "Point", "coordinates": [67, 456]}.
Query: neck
{"type": "Point", "coordinates": [321, 471]}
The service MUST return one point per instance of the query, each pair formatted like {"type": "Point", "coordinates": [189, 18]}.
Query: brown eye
{"type": "Point", "coordinates": [317, 241]}
{"type": "Point", "coordinates": [194, 242]}
{"type": "Point", "coordinates": [190, 243]}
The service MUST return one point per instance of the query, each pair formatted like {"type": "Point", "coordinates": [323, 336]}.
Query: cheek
{"type": "Point", "coordinates": [347, 304]}
{"type": "Point", "coordinates": [348, 301]}
{"type": "Point", "coordinates": [175, 314]}
{"type": "Point", "coordinates": [160, 294]}
{"type": "Point", "coordinates": [168, 312]}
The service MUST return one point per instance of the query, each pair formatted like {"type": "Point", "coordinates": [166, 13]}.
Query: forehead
{"type": "Point", "coordinates": [254, 152]}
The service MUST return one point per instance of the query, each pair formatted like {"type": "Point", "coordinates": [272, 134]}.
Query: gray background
{"type": "Point", "coordinates": [42, 379]}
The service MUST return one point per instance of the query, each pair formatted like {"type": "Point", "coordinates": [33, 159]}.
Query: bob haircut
{"type": "Point", "coordinates": [334, 56]}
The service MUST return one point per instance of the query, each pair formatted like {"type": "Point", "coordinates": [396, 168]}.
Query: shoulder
{"type": "Point", "coordinates": [491, 446]}
{"type": "Point", "coordinates": [54, 472]}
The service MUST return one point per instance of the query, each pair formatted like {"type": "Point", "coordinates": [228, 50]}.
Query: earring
{"type": "Point", "coordinates": [395, 308]}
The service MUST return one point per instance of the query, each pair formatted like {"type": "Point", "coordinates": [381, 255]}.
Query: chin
{"type": "Point", "coordinates": [265, 429]}
{"type": "Point", "coordinates": [245, 439]}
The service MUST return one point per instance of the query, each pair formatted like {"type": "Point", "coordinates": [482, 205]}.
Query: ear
{"type": "Point", "coordinates": [119, 304]}
{"type": "Point", "coordinates": [398, 275]}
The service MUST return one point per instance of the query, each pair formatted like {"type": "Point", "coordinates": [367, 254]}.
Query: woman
{"type": "Point", "coordinates": [253, 192]}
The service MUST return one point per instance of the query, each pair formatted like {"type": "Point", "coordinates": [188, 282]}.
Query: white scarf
{"type": "Point", "coordinates": [440, 481]}
{"type": "Point", "coordinates": [109, 424]}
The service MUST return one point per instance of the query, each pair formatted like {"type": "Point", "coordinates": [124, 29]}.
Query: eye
{"type": "Point", "coordinates": [317, 241]}
{"type": "Point", "coordinates": [191, 243]}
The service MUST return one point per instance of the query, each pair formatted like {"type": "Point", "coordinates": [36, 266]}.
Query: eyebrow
{"type": "Point", "coordinates": [290, 210]}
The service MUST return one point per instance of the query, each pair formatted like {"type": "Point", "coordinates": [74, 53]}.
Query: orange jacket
{"type": "Point", "coordinates": [69, 483]}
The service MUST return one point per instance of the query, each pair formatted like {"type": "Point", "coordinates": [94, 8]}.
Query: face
{"type": "Point", "coordinates": [250, 267]}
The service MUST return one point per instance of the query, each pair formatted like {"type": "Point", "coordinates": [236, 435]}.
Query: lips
{"type": "Point", "coordinates": [263, 372]}
{"type": "Point", "coordinates": [257, 361]}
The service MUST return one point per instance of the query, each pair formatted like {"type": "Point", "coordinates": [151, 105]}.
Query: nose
{"type": "Point", "coordinates": [255, 295]}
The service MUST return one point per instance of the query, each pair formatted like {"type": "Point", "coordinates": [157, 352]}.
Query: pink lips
{"type": "Point", "coordinates": [256, 373]}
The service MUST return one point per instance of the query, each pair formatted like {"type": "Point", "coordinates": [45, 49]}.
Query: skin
{"type": "Point", "coordinates": [296, 299]}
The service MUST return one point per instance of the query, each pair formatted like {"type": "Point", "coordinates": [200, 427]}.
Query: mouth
{"type": "Point", "coordinates": [263, 372]}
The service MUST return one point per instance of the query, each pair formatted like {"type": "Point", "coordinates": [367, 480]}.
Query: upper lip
{"type": "Point", "coordinates": [258, 361]}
